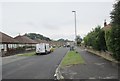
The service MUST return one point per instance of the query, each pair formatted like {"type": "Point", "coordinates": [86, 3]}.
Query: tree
{"type": "Point", "coordinates": [37, 36]}
{"type": "Point", "coordinates": [108, 39]}
{"type": "Point", "coordinates": [99, 39]}
{"type": "Point", "coordinates": [115, 31]}
{"type": "Point", "coordinates": [88, 39]}
{"type": "Point", "coordinates": [78, 40]}
{"type": "Point", "coordinates": [61, 40]}
{"type": "Point", "coordinates": [115, 14]}
{"type": "Point", "coordinates": [96, 39]}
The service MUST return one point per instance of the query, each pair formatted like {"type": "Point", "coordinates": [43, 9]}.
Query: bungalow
{"type": "Point", "coordinates": [7, 43]}
{"type": "Point", "coordinates": [26, 42]}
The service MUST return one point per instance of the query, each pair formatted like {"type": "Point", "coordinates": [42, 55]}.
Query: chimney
{"type": "Point", "coordinates": [105, 23]}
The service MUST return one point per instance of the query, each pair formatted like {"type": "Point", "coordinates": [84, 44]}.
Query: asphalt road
{"type": "Point", "coordinates": [34, 67]}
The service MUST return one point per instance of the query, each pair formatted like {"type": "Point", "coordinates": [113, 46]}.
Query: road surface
{"type": "Point", "coordinates": [33, 67]}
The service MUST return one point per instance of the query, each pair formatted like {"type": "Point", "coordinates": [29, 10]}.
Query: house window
{"type": "Point", "coordinates": [15, 45]}
{"type": "Point", "coordinates": [21, 45]}
{"type": "Point", "coordinates": [1, 47]}
{"type": "Point", "coordinates": [9, 45]}
{"type": "Point", "coordinates": [4, 47]}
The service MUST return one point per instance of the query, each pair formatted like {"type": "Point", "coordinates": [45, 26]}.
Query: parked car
{"type": "Point", "coordinates": [42, 48]}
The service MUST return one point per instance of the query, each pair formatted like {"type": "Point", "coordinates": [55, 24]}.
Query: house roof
{"type": "Point", "coordinates": [6, 39]}
{"type": "Point", "coordinates": [24, 40]}
{"type": "Point", "coordinates": [40, 41]}
{"type": "Point", "coordinates": [107, 27]}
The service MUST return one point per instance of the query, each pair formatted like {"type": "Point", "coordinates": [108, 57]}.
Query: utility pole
{"type": "Point", "coordinates": [75, 25]}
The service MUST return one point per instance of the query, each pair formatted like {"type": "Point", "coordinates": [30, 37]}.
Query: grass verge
{"type": "Point", "coordinates": [72, 58]}
{"type": "Point", "coordinates": [27, 54]}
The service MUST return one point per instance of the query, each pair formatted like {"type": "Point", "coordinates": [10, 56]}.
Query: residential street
{"type": "Point", "coordinates": [33, 67]}
{"type": "Point", "coordinates": [60, 40]}
{"type": "Point", "coordinates": [95, 67]}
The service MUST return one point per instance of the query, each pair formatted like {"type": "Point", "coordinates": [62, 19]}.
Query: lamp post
{"type": "Point", "coordinates": [75, 25]}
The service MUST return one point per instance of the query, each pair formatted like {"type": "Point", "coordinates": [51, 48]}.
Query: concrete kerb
{"type": "Point", "coordinates": [58, 75]}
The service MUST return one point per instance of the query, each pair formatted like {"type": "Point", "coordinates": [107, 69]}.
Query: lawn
{"type": "Point", "coordinates": [27, 54]}
{"type": "Point", "coordinates": [72, 58]}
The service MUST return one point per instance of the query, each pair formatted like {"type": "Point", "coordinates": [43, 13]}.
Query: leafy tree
{"type": "Point", "coordinates": [78, 39]}
{"type": "Point", "coordinates": [61, 40]}
{"type": "Point", "coordinates": [115, 41]}
{"type": "Point", "coordinates": [108, 40]}
{"type": "Point", "coordinates": [96, 39]}
{"type": "Point", "coordinates": [37, 36]}
{"type": "Point", "coordinates": [115, 14]}
{"type": "Point", "coordinates": [88, 39]}
{"type": "Point", "coordinates": [99, 39]}
{"type": "Point", "coordinates": [64, 40]}
{"type": "Point", "coordinates": [102, 41]}
{"type": "Point", "coordinates": [115, 31]}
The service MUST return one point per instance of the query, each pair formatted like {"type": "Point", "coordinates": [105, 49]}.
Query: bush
{"type": "Point", "coordinates": [115, 42]}
{"type": "Point", "coordinates": [96, 39]}
{"type": "Point", "coordinates": [115, 31]}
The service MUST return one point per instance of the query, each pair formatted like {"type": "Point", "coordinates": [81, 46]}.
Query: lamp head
{"type": "Point", "coordinates": [73, 11]}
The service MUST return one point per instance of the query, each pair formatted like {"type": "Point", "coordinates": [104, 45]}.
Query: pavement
{"type": "Point", "coordinates": [32, 67]}
{"type": "Point", "coordinates": [95, 67]}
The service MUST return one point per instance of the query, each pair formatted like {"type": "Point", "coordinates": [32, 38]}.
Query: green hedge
{"type": "Point", "coordinates": [96, 39]}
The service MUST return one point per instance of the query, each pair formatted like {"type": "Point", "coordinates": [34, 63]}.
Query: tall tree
{"type": "Point", "coordinates": [78, 40]}
{"type": "Point", "coordinates": [115, 14]}
{"type": "Point", "coordinates": [115, 31]}
{"type": "Point", "coordinates": [96, 39]}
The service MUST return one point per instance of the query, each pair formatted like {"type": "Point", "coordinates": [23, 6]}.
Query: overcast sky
{"type": "Point", "coordinates": [53, 19]}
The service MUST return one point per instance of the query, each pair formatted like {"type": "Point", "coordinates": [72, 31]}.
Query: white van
{"type": "Point", "coordinates": [42, 48]}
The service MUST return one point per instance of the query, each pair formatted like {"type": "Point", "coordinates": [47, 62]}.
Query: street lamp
{"type": "Point", "coordinates": [75, 24]}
